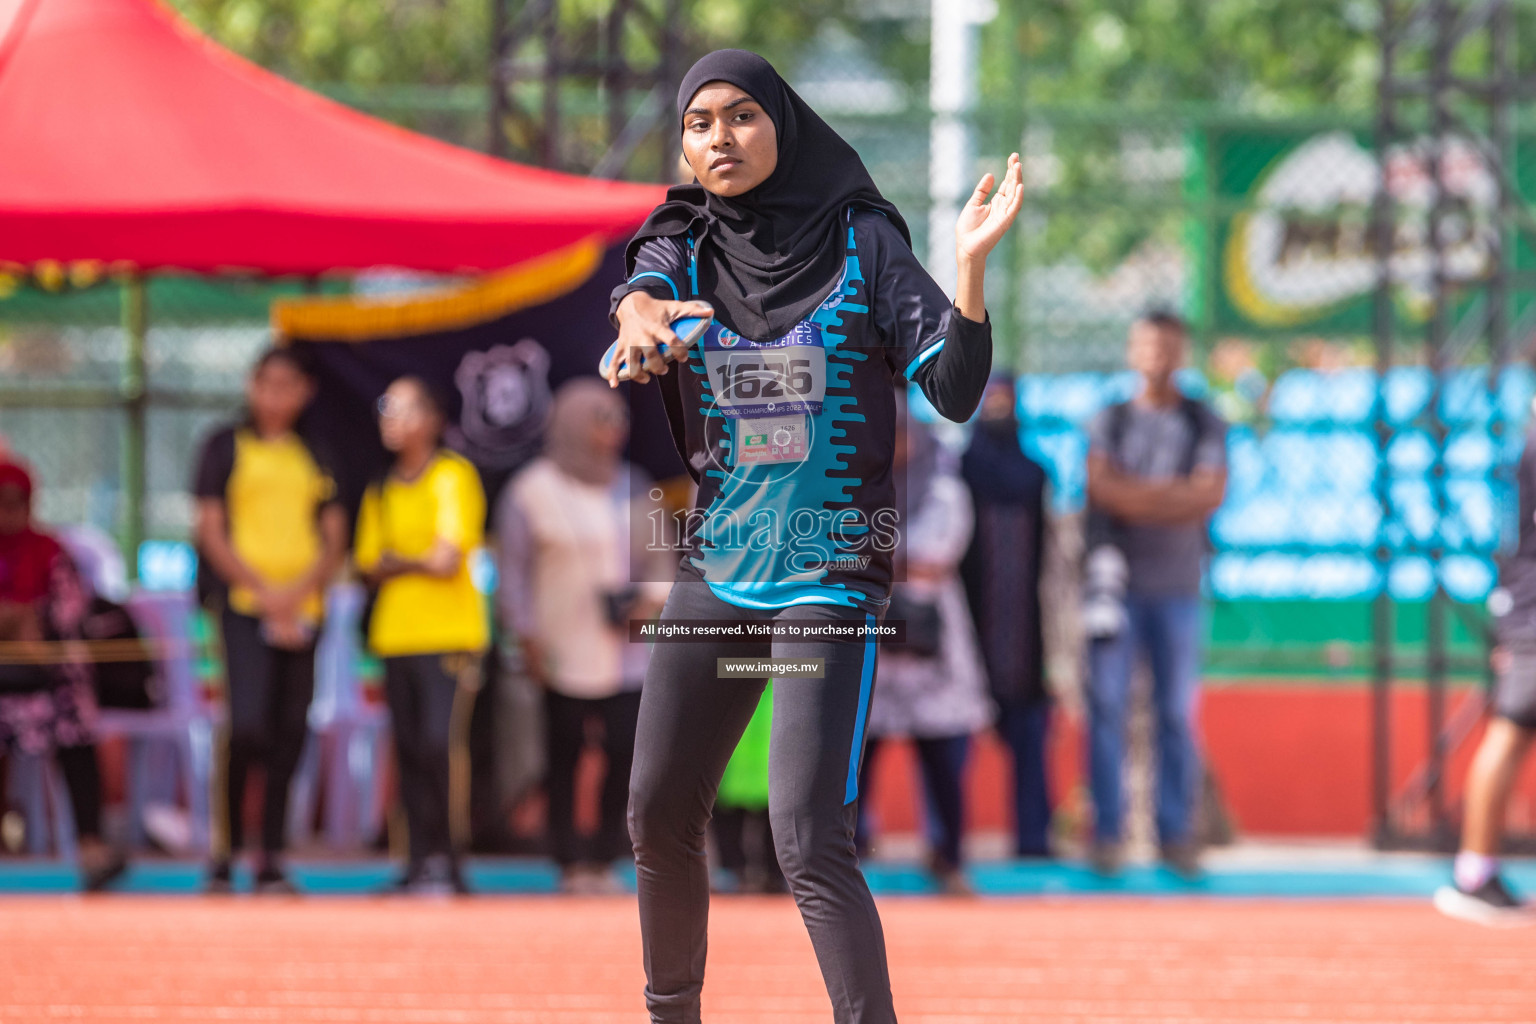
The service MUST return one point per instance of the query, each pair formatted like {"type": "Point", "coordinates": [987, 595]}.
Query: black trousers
{"type": "Point", "coordinates": [269, 692]}
{"type": "Point", "coordinates": [1025, 726]}
{"type": "Point", "coordinates": [942, 763]}
{"type": "Point", "coordinates": [690, 722]}
{"type": "Point", "coordinates": [567, 719]}
{"type": "Point", "coordinates": [744, 840]}
{"type": "Point", "coordinates": [420, 690]}
{"type": "Point", "coordinates": [82, 777]}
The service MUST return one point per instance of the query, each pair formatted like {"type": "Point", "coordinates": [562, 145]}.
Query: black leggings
{"type": "Point", "coordinates": [566, 718]}
{"type": "Point", "coordinates": [690, 722]}
{"type": "Point", "coordinates": [269, 692]}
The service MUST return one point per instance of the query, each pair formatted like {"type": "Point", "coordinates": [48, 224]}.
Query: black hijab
{"type": "Point", "coordinates": [767, 258]}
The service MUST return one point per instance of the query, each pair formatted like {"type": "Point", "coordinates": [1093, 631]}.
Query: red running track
{"type": "Point", "coordinates": [576, 961]}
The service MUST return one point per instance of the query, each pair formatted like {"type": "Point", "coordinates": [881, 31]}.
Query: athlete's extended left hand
{"type": "Point", "coordinates": [983, 222]}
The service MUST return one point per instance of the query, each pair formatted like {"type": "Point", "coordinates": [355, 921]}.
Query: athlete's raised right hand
{"type": "Point", "coordinates": [644, 324]}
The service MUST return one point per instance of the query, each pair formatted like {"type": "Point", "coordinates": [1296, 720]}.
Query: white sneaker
{"type": "Point", "coordinates": [1490, 904]}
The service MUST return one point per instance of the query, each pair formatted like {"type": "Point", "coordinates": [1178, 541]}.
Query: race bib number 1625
{"type": "Point", "coordinates": [752, 379]}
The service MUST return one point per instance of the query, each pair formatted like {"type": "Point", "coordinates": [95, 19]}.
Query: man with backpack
{"type": "Point", "coordinates": [1156, 474]}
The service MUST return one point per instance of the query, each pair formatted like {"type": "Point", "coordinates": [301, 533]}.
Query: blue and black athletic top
{"type": "Point", "coordinates": [813, 520]}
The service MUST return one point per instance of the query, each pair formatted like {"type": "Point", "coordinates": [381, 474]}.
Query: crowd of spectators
{"type": "Point", "coordinates": [573, 570]}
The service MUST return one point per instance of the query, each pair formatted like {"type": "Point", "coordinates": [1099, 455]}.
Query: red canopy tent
{"type": "Point", "coordinates": [127, 137]}
{"type": "Point", "coordinates": [130, 141]}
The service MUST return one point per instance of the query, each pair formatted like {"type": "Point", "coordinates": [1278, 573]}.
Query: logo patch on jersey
{"type": "Point", "coordinates": [728, 338]}
{"type": "Point", "coordinates": [835, 299]}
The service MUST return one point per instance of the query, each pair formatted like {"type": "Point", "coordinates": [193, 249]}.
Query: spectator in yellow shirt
{"type": "Point", "coordinates": [415, 533]}
{"type": "Point", "coordinates": [270, 535]}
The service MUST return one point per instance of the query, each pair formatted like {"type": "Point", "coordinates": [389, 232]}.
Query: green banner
{"type": "Point", "coordinates": [66, 297]}
{"type": "Point", "coordinates": [1292, 252]}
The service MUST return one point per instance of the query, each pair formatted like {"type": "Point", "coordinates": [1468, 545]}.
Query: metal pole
{"type": "Point", "coordinates": [615, 80]}
{"type": "Point", "coordinates": [549, 135]}
{"type": "Point", "coordinates": [668, 75]}
{"type": "Point", "coordinates": [1435, 633]}
{"type": "Point", "coordinates": [1501, 140]}
{"type": "Point", "coordinates": [1199, 190]}
{"type": "Point", "coordinates": [1004, 37]}
{"type": "Point", "coordinates": [496, 136]}
{"type": "Point", "coordinates": [135, 316]}
{"type": "Point", "coordinates": [952, 94]}
{"type": "Point", "coordinates": [1383, 229]}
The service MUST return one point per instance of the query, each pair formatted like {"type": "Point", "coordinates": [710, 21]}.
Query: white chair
{"type": "Point", "coordinates": [182, 718]}
{"type": "Point", "coordinates": [345, 748]}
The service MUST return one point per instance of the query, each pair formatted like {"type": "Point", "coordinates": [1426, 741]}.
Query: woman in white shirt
{"type": "Point", "coordinates": [567, 593]}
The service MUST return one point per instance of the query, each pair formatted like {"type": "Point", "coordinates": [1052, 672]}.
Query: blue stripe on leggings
{"type": "Point", "coordinates": [866, 684]}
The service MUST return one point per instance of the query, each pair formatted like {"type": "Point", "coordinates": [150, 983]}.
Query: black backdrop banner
{"type": "Point", "coordinates": [494, 351]}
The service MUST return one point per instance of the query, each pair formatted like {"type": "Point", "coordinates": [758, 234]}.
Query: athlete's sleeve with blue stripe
{"type": "Point", "coordinates": [955, 379]}
{"type": "Point", "coordinates": [927, 339]}
{"type": "Point", "coordinates": [660, 270]}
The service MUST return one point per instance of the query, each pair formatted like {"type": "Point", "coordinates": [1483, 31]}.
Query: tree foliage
{"type": "Point", "coordinates": [359, 42]}
{"type": "Point", "coordinates": [1256, 55]}
{"type": "Point", "coordinates": [447, 42]}
{"type": "Point", "coordinates": [1260, 56]}
{"type": "Point", "coordinates": [1250, 56]}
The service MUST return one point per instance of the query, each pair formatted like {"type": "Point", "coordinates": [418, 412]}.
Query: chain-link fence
{"type": "Point", "coordinates": [72, 404]}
